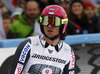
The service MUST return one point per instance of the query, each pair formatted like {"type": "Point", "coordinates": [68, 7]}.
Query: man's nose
{"type": "Point", "coordinates": [49, 25]}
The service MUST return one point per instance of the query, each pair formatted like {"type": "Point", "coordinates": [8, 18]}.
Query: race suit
{"type": "Point", "coordinates": [36, 56]}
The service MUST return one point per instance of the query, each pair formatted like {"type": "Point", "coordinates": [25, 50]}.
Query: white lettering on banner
{"type": "Point", "coordinates": [72, 62]}
{"type": "Point", "coordinates": [71, 72]}
{"type": "Point", "coordinates": [18, 68]}
{"type": "Point", "coordinates": [24, 52]}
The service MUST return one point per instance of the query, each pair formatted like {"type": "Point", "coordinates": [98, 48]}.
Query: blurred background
{"type": "Point", "coordinates": [19, 19]}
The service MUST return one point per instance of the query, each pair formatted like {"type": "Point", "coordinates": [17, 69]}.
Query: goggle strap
{"type": "Point", "coordinates": [40, 19]}
{"type": "Point", "coordinates": [64, 21]}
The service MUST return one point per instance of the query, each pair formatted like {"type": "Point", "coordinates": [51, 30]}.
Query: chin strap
{"type": "Point", "coordinates": [53, 38]}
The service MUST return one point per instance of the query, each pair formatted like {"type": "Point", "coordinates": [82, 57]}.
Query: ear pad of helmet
{"type": "Point", "coordinates": [61, 29]}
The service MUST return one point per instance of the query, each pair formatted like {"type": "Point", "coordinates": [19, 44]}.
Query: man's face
{"type": "Point", "coordinates": [65, 5]}
{"type": "Point", "coordinates": [51, 31]}
{"type": "Point", "coordinates": [22, 4]}
{"type": "Point", "coordinates": [6, 24]}
{"type": "Point", "coordinates": [32, 10]}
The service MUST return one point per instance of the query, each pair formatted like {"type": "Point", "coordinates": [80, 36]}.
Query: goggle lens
{"type": "Point", "coordinates": [55, 21]}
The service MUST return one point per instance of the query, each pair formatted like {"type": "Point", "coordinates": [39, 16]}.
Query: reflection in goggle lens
{"type": "Point", "coordinates": [55, 21]}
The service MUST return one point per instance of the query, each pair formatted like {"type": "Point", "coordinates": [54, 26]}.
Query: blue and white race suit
{"type": "Point", "coordinates": [36, 56]}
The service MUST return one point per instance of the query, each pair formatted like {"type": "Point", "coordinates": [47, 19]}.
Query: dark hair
{"type": "Point", "coordinates": [6, 16]}
{"type": "Point", "coordinates": [63, 36]}
{"type": "Point", "coordinates": [74, 1]}
{"type": "Point", "coordinates": [31, 1]}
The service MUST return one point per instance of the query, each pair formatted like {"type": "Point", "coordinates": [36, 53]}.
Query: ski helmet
{"type": "Point", "coordinates": [56, 11]}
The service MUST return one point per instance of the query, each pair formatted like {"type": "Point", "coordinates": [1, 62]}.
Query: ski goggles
{"type": "Point", "coordinates": [55, 21]}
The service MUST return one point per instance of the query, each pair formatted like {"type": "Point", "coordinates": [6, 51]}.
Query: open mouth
{"type": "Point", "coordinates": [50, 31]}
